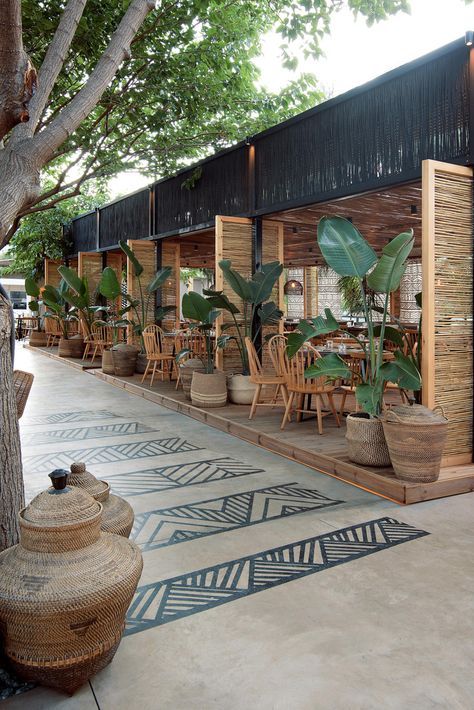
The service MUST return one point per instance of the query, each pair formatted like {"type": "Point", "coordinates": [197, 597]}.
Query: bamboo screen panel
{"type": "Point", "coordinates": [234, 242]}
{"type": "Point", "coordinates": [146, 255]}
{"type": "Point", "coordinates": [51, 273]}
{"type": "Point", "coordinates": [170, 293]}
{"type": "Point", "coordinates": [90, 267]}
{"type": "Point", "coordinates": [310, 292]}
{"type": "Point", "coordinates": [115, 261]}
{"type": "Point", "coordinates": [272, 250]}
{"type": "Point", "coordinates": [448, 302]}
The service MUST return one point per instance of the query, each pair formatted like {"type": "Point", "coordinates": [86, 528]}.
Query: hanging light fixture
{"type": "Point", "coordinates": [293, 288]}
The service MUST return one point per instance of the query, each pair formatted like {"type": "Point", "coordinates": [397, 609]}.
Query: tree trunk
{"type": "Point", "coordinates": [12, 496]}
{"type": "Point", "coordinates": [19, 184]}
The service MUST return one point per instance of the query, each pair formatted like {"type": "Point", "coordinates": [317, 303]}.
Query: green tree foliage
{"type": "Point", "coordinates": [40, 235]}
{"type": "Point", "coordinates": [190, 86]}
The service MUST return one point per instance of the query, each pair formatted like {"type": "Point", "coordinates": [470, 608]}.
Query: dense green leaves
{"type": "Point", "coordinates": [311, 328]}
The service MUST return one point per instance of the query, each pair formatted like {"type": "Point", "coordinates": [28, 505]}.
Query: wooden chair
{"type": "Point", "coordinates": [53, 331]}
{"type": "Point", "coordinates": [349, 385]}
{"type": "Point", "coordinates": [101, 337]}
{"type": "Point", "coordinates": [260, 378]}
{"type": "Point", "coordinates": [22, 382]}
{"type": "Point", "coordinates": [298, 386]}
{"type": "Point", "coordinates": [153, 338]}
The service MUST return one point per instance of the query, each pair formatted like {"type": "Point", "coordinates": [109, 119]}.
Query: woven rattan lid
{"type": "Point", "coordinates": [415, 414]}
{"type": "Point", "coordinates": [61, 507]}
{"type": "Point", "coordinates": [82, 478]}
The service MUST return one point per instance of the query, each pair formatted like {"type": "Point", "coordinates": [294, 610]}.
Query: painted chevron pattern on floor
{"type": "Point", "coordinates": [64, 417]}
{"type": "Point", "coordinates": [82, 433]}
{"type": "Point", "coordinates": [108, 454]}
{"type": "Point", "coordinates": [171, 599]}
{"type": "Point", "coordinates": [178, 475]}
{"type": "Point", "coordinates": [170, 526]}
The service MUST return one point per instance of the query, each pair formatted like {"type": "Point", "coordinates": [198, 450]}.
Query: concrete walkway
{"type": "Point", "coordinates": [266, 585]}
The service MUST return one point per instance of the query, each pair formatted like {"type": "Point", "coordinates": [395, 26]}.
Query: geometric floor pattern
{"type": "Point", "coordinates": [108, 454]}
{"type": "Point", "coordinates": [171, 599]}
{"type": "Point", "coordinates": [81, 433]}
{"type": "Point", "coordinates": [64, 417]}
{"type": "Point", "coordinates": [178, 475]}
{"type": "Point", "coordinates": [169, 526]}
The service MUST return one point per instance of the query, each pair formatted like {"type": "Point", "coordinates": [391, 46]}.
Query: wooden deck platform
{"type": "Point", "coordinates": [302, 443]}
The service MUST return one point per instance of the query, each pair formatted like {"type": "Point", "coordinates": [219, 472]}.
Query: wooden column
{"type": "Point", "coordinates": [310, 291]}
{"type": "Point", "coordinates": [51, 273]}
{"type": "Point", "coordinates": [234, 242]}
{"type": "Point", "coordinates": [447, 253]}
{"type": "Point", "coordinates": [170, 293]}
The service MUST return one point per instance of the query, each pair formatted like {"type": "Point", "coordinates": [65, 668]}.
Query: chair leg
{"type": "Point", "coordinates": [286, 416]}
{"type": "Point", "coordinates": [275, 394]}
{"type": "Point", "coordinates": [255, 400]}
{"type": "Point", "coordinates": [319, 413]}
{"type": "Point", "coordinates": [343, 401]}
{"type": "Point", "coordinates": [285, 396]}
{"type": "Point", "coordinates": [148, 363]}
{"type": "Point", "coordinates": [300, 404]}
{"type": "Point", "coordinates": [153, 373]}
{"type": "Point", "coordinates": [333, 408]}
{"type": "Point", "coordinates": [94, 353]}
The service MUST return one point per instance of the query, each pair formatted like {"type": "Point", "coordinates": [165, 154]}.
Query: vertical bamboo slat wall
{"type": "Point", "coordinates": [170, 293]}
{"type": "Point", "coordinates": [234, 242]}
{"type": "Point", "coordinates": [146, 255]}
{"type": "Point", "coordinates": [272, 250]}
{"type": "Point", "coordinates": [51, 273]}
{"type": "Point", "coordinates": [90, 266]}
{"type": "Point", "coordinates": [447, 252]}
{"type": "Point", "coordinates": [310, 291]}
{"type": "Point", "coordinates": [115, 262]}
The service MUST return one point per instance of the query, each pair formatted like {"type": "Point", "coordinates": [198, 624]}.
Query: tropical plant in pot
{"type": "Point", "coordinates": [38, 338]}
{"type": "Point", "coordinates": [110, 288]}
{"type": "Point", "coordinates": [58, 309]}
{"type": "Point", "coordinates": [347, 252]}
{"type": "Point", "coordinates": [208, 386]}
{"type": "Point", "coordinates": [247, 321]}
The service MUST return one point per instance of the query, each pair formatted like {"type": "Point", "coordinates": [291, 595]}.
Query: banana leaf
{"type": "Point", "coordinates": [311, 328]}
{"type": "Point", "coordinates": [369, 397]}
{"type": "Point", "coordinates": [269, 313]}
{"type": "Point", "coordinates": [197, 308]}
{"type": "Point", "coordinates": [390, 268]}
{"type": "Point", "coordinates": [330, 366]}
{"type": "Point", "coordinates": [391, 334]}
{"type": "Point", "coordinates": [109, 285]}
{"type": "Point", "coordinates": [73, 280]}
{"type": "Point", "coordinates": [344, 248]}
{"type": "Point", "coordinates": [159, 279]}
{"type": "Point", "coordinates": [402, 372]}
{"type": "Point", "coordinates": [219, 300]}
{"type": "Point", "coordinates": [238, 284]}
{"type": "Point", "coordinates": [263, 282]}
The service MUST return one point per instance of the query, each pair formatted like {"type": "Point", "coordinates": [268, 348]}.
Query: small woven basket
{"type": "Point", "coordinates": [209, 390]}
{"type": "Point", "coordinates": [415, 438]}
{"type": "Point", "coordinates": [366, 443]}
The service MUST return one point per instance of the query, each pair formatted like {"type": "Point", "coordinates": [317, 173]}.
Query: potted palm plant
{"type": "Point", "coordinates": [59, 310]}
{"type": "Point", "coordinates": [208, 386]}
{"type": "Point", "coordinates": [256, 311]}
{"type": "Point", "coordinates": [38, 338]}
{"type": "Point", "coordinates": [79, 297]}
{"type": "Point", "coordinates": [347, 252]}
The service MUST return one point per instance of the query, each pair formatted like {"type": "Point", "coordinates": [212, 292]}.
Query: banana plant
{"type": "Point", "coordinates": [256, 308]}
{"type": "Point", "coordinates": [58, 306]}
{"type": "Point", "coordinates": [109, 287]}
{"type": "Point", "coordinates": [347, 252]}
{"type": "Point", "coordinates": [78, 296]}
{"type": "Point", "coordinates": [203, 315]}
{"type": "Point", "coordinates": [140, 306]}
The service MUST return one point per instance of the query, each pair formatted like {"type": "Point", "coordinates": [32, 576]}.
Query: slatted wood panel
{"type": "Point", "coordinates": [272, 250]}
{"type": "Point", "coordinates": [170, 293]}
{"type": "Point", "coordinates": [115, 260]}
{"type": "Point", "coordinates": [51, 273]}
{"type": "Point", "coordinates": [146, 255]}
{"type": "Point", "coordinates": [310, 291]}
{"type": "Point", "coordinates": [90, 267]}
{"type": "Point", "coordinates": [448, 301]}
{"type": "Point", "coordinates": [234, 242]}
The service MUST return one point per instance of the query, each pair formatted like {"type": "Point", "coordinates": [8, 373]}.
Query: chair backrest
{"type": "Point", "coordinates": [52, 327]}
{"type": "Point", "coordinates": [190, 340]}
{"type": "Point", "coordinates": [102, 333]}
{"type": "Point", "coordinates": [255, 366]}
{"type": "Point", "coordinates": [276, 348]}
{"type": "Point", "coordinates": [293, 370]}
{"type": "Point", "coordinates": [153, 340]}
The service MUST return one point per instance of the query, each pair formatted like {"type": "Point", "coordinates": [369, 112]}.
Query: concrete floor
{"type": "Point", "coordinates": [356, 616]}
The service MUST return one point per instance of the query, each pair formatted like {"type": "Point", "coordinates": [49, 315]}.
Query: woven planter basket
{"type": "Point", "coordinates": [38, 339]}
{"type": "Point", "coordinates": [141, 363]}
{"type": "Point", "coordinates": [415, 438]}
{"type": "Point", "coordinates": [125, 359]}
{"type": "Point", "coordinates": [72, 347]}
{"type": "Point", "coordinates": [65, 589]}
{"type": "Point", "coordinates": [117, 514]}
{"type": "Point", "coordinates": [108, 363]}
{"type": "Point", "coordinates": [366, 443]}
{"type": "Point", "coordinates": [186, 371]}
{"type": "Point", "coordinates": [209, 390]}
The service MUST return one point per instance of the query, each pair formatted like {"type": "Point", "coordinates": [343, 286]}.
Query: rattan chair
{"type": "Point", "coordinates": [298, 386]}
{"type": "Point", "coordinates": [22, 382]}
{"type": "Point", "coordinates": [260, 378]}
{"type": "Point", "coordinates": [153, 339]}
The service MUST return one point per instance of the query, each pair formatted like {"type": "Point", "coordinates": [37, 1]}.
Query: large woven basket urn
{"type": "Point", "coordinates": [72, 347]}
{"type": "Point", "coordinates": [117, 514]}
{"type": "Point", "coordinates": [65, 589]}
{"type": "Point", "coordinates": [366, 443]}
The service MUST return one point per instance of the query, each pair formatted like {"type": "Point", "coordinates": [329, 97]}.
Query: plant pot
{"type": "Point", "coordinates": [125, 359]}
{"type": "Point", "coordinates": [72, 347]}
{"type": "Point", "coordinates": [38, 339]}
{"type": "Point", "coordinates": [366, 443]}
{"type": "Point", "coordinates": [142, 361]}
{"type": "Point", "coordinates": [241, 390]}
{"type": "Point", "coordinates": [108, 363]}
{"type": "Point", "coordinates": [415, 438]}
{"type": "Point", "coordinates": [186, 370]}
{"type": "Point", "coordinates": [209, 390]}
